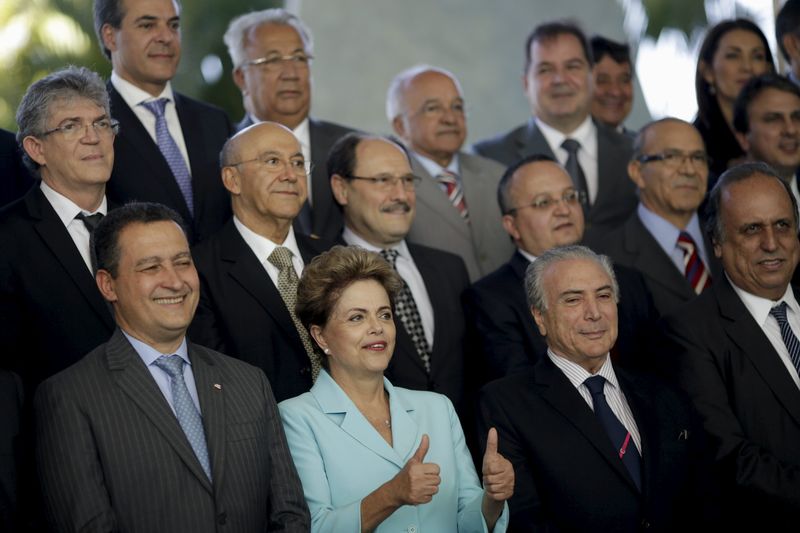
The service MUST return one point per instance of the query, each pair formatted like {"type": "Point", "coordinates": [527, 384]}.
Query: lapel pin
{"type": "Point", "coordinates": [217, 386]}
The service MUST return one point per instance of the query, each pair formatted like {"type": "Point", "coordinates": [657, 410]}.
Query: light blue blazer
{"type": "Point", "coordinates": [341, 458]}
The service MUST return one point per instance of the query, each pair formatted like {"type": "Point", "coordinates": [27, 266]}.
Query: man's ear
{"type": "Point", "coordinates": [339, 188]}
{"type": "Point", "coordinates": [539, 319]}
{"type": "Point", "coordinates": [744, 141]}
{"type": "Point", "coordinates": [231, 180]}
{"type": "Point", "coordinates": [35, 149]}
{"type": "Point", "coordinates": [399, 126]}
{"type": "Point", "coordinates": [238, 79]}
{"type": "Point", "coordinates": [106, 285]}
{"type": "Point", "coordinates": [510, 225]}
{"type": "Point", "coordinates": [108, 33]}
{"type": "Point", "coordinates": [635, 173]}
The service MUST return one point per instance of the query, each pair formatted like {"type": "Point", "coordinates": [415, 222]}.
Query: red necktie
{"type": "Point", "coordinates": [454, 192]}
{"type": "Point", "coordinates": [693, 268]}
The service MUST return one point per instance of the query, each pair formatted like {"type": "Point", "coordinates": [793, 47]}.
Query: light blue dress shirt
{"type": "Point", "coordinates": [666, 235]}
{"type": "Point", "coordinates": [341, 459]}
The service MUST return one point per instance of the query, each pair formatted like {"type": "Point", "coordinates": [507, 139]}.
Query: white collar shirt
{"type": "Point", "coordinates": [263, 247]}
{"type": "Point", "coordinates": [586, 135]}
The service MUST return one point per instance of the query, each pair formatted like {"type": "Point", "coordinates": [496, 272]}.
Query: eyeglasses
{"type": "Point", "coordinates": [676, 158]}
{"type": "Point", "coordinates": [543, 203]}
{"type": "Point", "coordinates": [75, 129]}
{"type": "Point", "coordinates": [273, 164]}
{"type": "Point", "coordinates": [275, 63]}
{"type": "Point", "coordinates": [437, 110]}
{"type": "Point", "coordinates": [388, 183]}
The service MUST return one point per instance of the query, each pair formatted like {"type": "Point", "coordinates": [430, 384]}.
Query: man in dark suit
{"type": "Point", "coordinates": [168, 144]}
{"type": "Point", "coordinates": [159, 434]}
{"type": "Point", "coordinates": [593, 447]}
{"type": "Point", "coordinates": [372, 180]}
{"type": "Point", "coordinates": [735, 349]}
{"type": "Point", "coordinates": [558, 86]}
{"type": "Point", "coordinates": [271, 51]}
{"type": "Point", "coordinates": [242, 309]}
{"type": "Point", "coordinates": [542, 210]}
{"type": "Point", "coordinates": [663, 238]}
{"type": "Point", "coordinates": [14, 178]}
{"type": "Point", "coordinates": [11, 398]}
{"type": "Point", "coordinates": [425, 106]}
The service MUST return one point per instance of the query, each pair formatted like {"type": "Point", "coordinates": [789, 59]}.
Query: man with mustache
{"type": "Point", "coordinates": [735, 349]}
{"type": "Point", "coordinates": [426, 108]}
{"type": "Point", "coordinates": [249, 269]}
{"type": "Point", "coordinates": [663, 238]}
{"type": "Point", "coordinates": [372, 181]}
{"type": "Point", "coordinates": [168, 144]}
{"type": "Point", "coordinates": [558, 86]}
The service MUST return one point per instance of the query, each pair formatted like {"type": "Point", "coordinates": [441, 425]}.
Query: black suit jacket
{"type": "Point", "coordinates": [14, 178]}
{"type": "Point", "coordinates": [141, 172]}
{"type": "Point", "coordinates": [633, 246]}
{"type": "Point", "coordinates": [113, 457]}
{"type": "Point", "coordinates": [568, 475]}
{"type": "Point", "coordinates": [500, 319]}
{"type": "Point", "coordinates": [616, 196]}
{"type": "Point", "coordinates": [241, 311]}
{"type": "Point", "coordinates": [11, 396]}
{"type": "Point", "coordinates": [749, 403]}
{"type": "Point", "coordinates": [326, 216]}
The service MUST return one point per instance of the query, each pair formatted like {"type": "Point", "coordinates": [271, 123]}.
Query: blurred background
{"type": "Point", "coordinates": [361, 44]}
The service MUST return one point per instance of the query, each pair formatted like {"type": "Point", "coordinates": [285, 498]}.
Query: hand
{"type": "Point", "coordinates": [498, 473]}
{"type": "Point", "coordinates": [417, 482]}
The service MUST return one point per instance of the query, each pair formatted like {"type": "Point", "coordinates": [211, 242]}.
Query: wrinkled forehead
{"type": "Point", "coordinates": [673, 135]}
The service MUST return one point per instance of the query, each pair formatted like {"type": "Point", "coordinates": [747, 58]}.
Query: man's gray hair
{"type": "Point", "coordinates": [238, 28]}
{"type": "Point", "coordinates": [534, 287]}
{"type": "Point", "coordinates": [62, 85]}
{"type": "Point", "coordinates": [399, 84]}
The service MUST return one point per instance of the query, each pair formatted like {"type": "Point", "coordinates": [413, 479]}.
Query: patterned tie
{"type": "Point", "coordinates": [185, 410]}
{"type": "Point", "coordinates": [791, 342]}
{"type": "Point", "coordinates": [406, 309]}
{"type": "Point", "coordinates": [452, 187]}
{"type": "Point", "coordinates": [694, 270]}
{"type": "Point", "coordinates": [620, 437]}
{"type": "Point", "coordinates": [171, 152]}
{"type": "Point", "coordinates": [573, 168]}
{"type": "Point", "coordinates": [281, 257]}
{"type": "Point", "coordinates": [90, 221]}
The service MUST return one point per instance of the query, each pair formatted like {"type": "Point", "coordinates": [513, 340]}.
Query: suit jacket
{"type": "Point", "coordinates": [749, 404]}
{"type": "Point", "coordinates": [633, 246]}
{"type": "Point", "coordinates": [131, 467]}
{"type": "Point", "coordinates": [326, 216]}
{"type": "Point", "coordinates": [568, 476]}
{"type": "Point", "coordinates": [14, 177]}
{"type": "Point", "coordinates": [500, 319]}
{"type": "Point", "coordinates": [141, 172]}
{"type": "Point", "coordinates": [11, 395]}
{"type": "Point", "coordinates": [242, 313]}
{"type": "Point", "coordinates": [482, 243]}
{"type": "Point", "coordinates": [616, 196]}
{"type": "Point", "coordinates": [330, 440]}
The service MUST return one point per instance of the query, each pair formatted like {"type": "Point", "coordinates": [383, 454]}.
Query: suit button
{"type": "Point", "coordinates": [645, 524]}
{"type": "Point", "coordinates": [305, 370]}
{"type": "Point", "coordinates": [222, 518]}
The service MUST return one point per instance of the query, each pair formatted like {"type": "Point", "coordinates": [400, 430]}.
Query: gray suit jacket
{"type": "Point", "coordinates": [483, 244]}
{"type": "Point", "coordinates": [616, 196]}
{"type": "Point", "coordinates": [112, 456]}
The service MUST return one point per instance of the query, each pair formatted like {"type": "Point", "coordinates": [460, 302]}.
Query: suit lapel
{"type": "Point", "coordinates": [320, 181]}
{"type": "Point", "coordinates": [211, 395]}
{"type": "Point", "coordinates": [606, 191]}
{"type": "Point", "coordinates": [131, 375]}
{"type": "Point", "coordinates": [531, 141]}
{"type": "Point", "coordinates": [192, 131]}
{"type": "Point", "coordinates": [433, 282]}
{"type": "Point", "coordinates": [642, 409]}
{"type": "Point", "coordinates": [438, 206]}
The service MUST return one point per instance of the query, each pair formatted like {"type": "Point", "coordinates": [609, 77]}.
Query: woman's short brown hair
{"type": "Point", "coordinates": [330, 273]}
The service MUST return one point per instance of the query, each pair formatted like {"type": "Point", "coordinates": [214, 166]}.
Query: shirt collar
{"type": "Point", "coordinates": [432, 167]}
{"type": "Point", "coordinates": [262, 246]}
{"type": "Point", "coordinates": [585, 134]}
{"type": "Point", "coordinates": [759, 307]}
{"type": "Point", "coordinates": [530, 257]}
{"type": "Point", "coordinates": [65, 208]}
{"type": "Point", "coordinates": [133, 95]}
{"type": "Point", "coordinates": [577, 374]}
{"type": "Point", "coordinates": [351, 238]}
{"type": "Point", "coordinates": [665, 233]}
{"type": "Point", "coordinates": [149, 354]}
{"type": "Point", "coordinates": [302, 133]}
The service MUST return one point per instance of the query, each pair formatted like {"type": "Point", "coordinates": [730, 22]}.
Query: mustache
{"type": "Point", "coordinates": [398, 206]}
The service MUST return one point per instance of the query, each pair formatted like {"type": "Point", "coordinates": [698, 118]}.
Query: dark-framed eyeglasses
{"type": "Point", "coordinates": [75, 129]}
{"type": "Point", "coordinates": [275, 63]}
{"type": "Point", "coordinates": [676, 158]}
{"type": "Point", "coordinates": [543, 203]}
{"type": "Point", "coordinates": [388, 183]}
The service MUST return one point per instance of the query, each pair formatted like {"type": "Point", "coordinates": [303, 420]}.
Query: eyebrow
{"type": "Point", "coordinates": [78, 119]}
{"type": "Point", "coordinates": [153, 18]}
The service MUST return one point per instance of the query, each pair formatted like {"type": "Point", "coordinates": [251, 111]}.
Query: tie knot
{"type": "Point", "coordinates": [281, 257]}
{"type": "Point", "coordinates": [571, 146]}
{"type": "Point", "coordinates": [779, 312]}
{"type": "Point", "coordinates": [390, 256]}
{"type": "Point", "coordinates": [171, 364]}
{"type": "Point", "coordinates": [595, 384]}
{"type": "Point", "coordinates": [157, 106]}
{"type": "Point", "coordinates": [446, 176]}
{"type": "Point", "coordinates": [90, 221]}
{"type": "Point", "coordinates": [685, 241]}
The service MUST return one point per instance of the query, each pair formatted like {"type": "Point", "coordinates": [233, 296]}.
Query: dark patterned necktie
{"type": "Point", "coordinates": [406, 309]}
{"type": "Point", "coordinates": [574, 169]}
{"type": "Point", "coordinates": [789, 339]}
{"type": "Point", "coordinates": [694, 270]}
{"type": "Point", "coordinates": [454, 191]}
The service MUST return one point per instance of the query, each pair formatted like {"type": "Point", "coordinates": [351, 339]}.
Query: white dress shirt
{"type": "Point", "coordinates": [264, 247]}
{"type": "Point", "coordinates": [759, 309]}
{"type": "Point", "coordinates": [134, 97]}
{"type": "Point", "coordinates": [408, 271]}
{"type": "Point", "coordinates": [586, 134]}
{"type": "Point", "coordinates": [615, 398]}
{"type": "Point", "coordinates": [67, 210]}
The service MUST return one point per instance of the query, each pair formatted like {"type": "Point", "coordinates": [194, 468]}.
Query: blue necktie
{"type": "Point", "coordinates": [791, 342]}
{"type": "Point", "coordinates": [171, 152]}
{"type": "Point", "coordinates": [185, 410]}
{"type": "Point", "coordinates": [620, 437]}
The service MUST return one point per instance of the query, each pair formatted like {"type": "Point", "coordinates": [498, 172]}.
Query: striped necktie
{"type": "Point", "coordinates": [694, 270]}
{"type": "Point", "coordinates": [789, 339]}
{"type": "Point", "coordinates": [455, 193]}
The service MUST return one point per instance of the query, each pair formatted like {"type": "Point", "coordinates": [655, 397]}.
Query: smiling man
{"type": "Point", "coordinates": [736, 349]}
{"type": "Point", "coordinates": [612, 97]}
{"type": "Point", "coordinates": [168, 143]}
{"type": "Point", "coordinates": [149, 423]}
{"type": "Point", "coordinates": [578, 429]}
{"type": "Point", "coordinates": [249, 269]}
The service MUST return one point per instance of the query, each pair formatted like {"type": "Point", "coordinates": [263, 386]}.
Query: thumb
{"type": "Point", "coordinates": [491, 443]}
{"type": "Point", "coordinates": [419, 455]}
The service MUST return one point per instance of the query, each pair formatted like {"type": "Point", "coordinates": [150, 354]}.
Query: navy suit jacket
{"type": "Point", "coordinates": [141, 172]}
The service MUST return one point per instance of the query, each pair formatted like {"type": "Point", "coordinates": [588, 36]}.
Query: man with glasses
{"type": "Point", "coordinates": [271, 51]}
{"type": "Point", "coordinates": [425, 106]}
{"type": "Point", "coordinates": [250, 268]}
{"type": "Point", "coordinates": [542, 210]}
{"type": "Point", "coordinates": [52, 313]}
{"type": "Point", "coordinates": [663, 238]}
{"type": "Point", "coordinates": [372, 180]}
{"type": "Point", "coordinates": [168, 144]}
